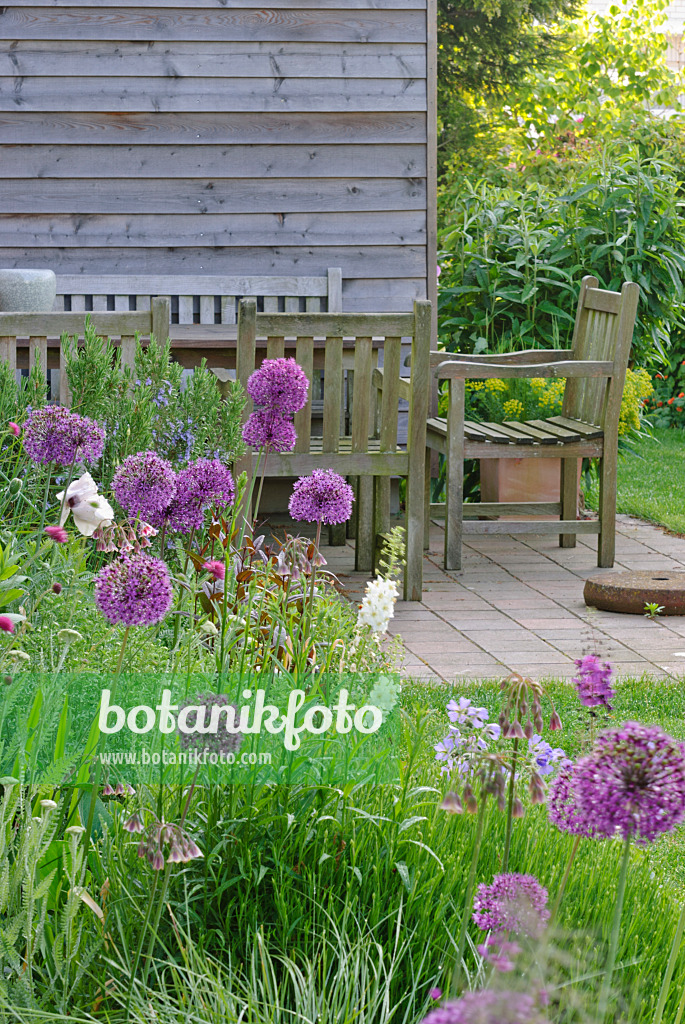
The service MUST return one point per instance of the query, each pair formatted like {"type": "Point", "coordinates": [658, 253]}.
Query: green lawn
{"type": "Point", "coordinates": [651, 480]}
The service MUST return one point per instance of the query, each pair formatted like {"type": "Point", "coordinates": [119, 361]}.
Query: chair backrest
{"type": "Point", "coordinates": [204, 299]}
{"type": "Point", "coordinates": [27, 339]}
{"type": "Point", "coordinates": [603, 331]}
{"type": "Point", "coordinates": [331, 334]}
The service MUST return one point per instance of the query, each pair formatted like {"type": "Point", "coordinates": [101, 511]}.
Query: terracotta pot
{"type": "Point", "coordinates": [521, 480]}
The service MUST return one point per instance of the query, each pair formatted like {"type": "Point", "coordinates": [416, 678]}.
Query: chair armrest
{"type": "Point", "coordinates": [459, 369]}
{"type": "Point", "coordinates": [404, 383]}
{"type": "Point", "coordinates": [530, 355]}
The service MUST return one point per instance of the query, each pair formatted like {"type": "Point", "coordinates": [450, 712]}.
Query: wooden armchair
{"type": "Point", "coordinates": [369, 452]}
{"type": "Point", "coordinates": [595, 370]}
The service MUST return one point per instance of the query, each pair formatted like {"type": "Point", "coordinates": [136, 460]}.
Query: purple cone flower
{"type": "Point", "coordinates": [322, 497]}
{"type": "Point", "coordinates": [593, 681]}
{"type": "Point", "coordinates": [513, 903]}
{"type": "Point", "coordinates": [55, 434]}
{"type": "Point", "coordinates": [633, 782]}
{"type": "Point", "coordinates": [280, 385]}
{"type": "Point", "coordinates": [134, 591]}
{"type": "Point", "coordinates": [144, 485]}
{"type": "Point", "coordinates": [562, 807]}
{"type": "Point", "coordinates": [488, 1006]}
{"type": "Point", "coordinates": [266, 428]}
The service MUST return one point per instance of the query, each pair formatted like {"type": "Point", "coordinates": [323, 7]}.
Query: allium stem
{"type": "Point", "coordinates": [468, 899]}
{"type": "Point", "coordinates": [562, 887]}
{"type": "Point", "coordinates": [136, 962]}
{"type": "Point", "coordinates": [261, 486]}
{"type": "Point", "coordinates": [668, 975]}
{"type": "Point", "coordinates": [510, 807]}
{"type": "Point", "coordinates": [681, 1009]}
{"type": "Point", "coordinates": [615, 932]}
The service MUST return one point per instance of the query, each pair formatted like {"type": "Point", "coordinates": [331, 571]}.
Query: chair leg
{"type": "Point", "coordinates": [606, 546]}
{"type": "Point", "coordinates": [454, 489]}
{"type": "Point", "coordinates": [569, 499]}
{"type": "Point", "coordinates": [366, 534]}
{"type": "Point", "coordinates": [427, 501]}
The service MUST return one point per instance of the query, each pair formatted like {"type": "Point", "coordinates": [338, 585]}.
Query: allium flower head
{"type": "Point", "coordinates": [134, 591]}
{"type": "Point", "coordinates": [488, 1006]}
{"type": "Point", "coordinates": [144, 484]}
{"type": "Point", "coordinates": [55, 434]}
{"type": "Point", "coordinates": [279, 384]}
{"type": "Point", "coordinates": [593, 681]}
{"type": "Point", "coordinates": [378, 606]}
{"type": "Point", "coordinates": [562, 807]}
{"type": "Point", "coordinates": [205, 710]}
{"type": "Point", "coordinates": [512, 903]}
{"type": "Point", "coordinates": [267, 428]}
{"type": "Point", "coordinates": [324, 497]}
{"type": "Point", "coordinates": [633, 782]}
{"type": "Point", "coordinates": [203, 483]}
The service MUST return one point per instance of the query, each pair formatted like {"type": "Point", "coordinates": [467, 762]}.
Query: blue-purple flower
{"type": "Point", "coordinates": [55, 434]}
{"type": "Point", "coordinates": [512, 903]}
{"type": "Point", "coordinates": [543, 756]}
{"type": "Point", "coordinates": [268, 429]}
{"type": "Point", "coordinates": [280, 385]}
{"type": "Point", "coordinates": [489, 1006]}
{"type": "Point", "coordinates": [144, 485]}
{"type": "Point", "coordinates": [593, 681]}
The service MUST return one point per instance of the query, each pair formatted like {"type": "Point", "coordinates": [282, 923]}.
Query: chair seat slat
{"type": "Point", "coordinates": [516, 436]}
{"type": "Point", "coordinates": [585, 429]}
{"type": "Point", "coordinates": [539, 435]}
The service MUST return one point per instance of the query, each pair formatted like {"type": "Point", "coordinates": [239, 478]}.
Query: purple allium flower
{"type": "Point", "coordinates": [204, 482]}
{"type": "Point", "coordinates": [562, 807]}
{"type": "Point", "coordinates": [280, 385]}
{"type": "Point", "coordinates": [499, 952]}
{"type": "Point", "coordinates": [57, 533]}
{"type": "Point", "coordinates": [134, 824]}
{"type": "Point", "coordinates": [193, 726]}
{"type": "Point", "coordinates": [488, 1006]}
{"type": "Point", "coordinates": [266, 428]}
{"type": "Point", "coordinates": [633, 782]}
{"type": "Point", "coordinates": [55, 434]}
{"type": "Point", "coordinates": [322, 497]}
{"type": "Point", "coordinates": [134, 591]}
{"type": "Point", "coordinates": [144, 484]}
{"type": "Point", "coordinates": [593, 681]}
{"type": "Point", "coordinates": [435, 993]}
{"type": "Point", "coordinates": [512, 903]}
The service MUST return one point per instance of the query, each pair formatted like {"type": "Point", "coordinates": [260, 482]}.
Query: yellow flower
{"type": "Point", "coordinates": [512, 409]}
{"type": "Point", "coordinates": [496, 385]}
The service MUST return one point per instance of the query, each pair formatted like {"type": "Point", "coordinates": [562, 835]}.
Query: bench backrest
{"type": "Point", "coordinates": [603, 331]}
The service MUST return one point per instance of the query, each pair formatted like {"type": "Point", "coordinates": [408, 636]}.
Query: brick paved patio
{"type": "Point", "coordinates": [518, 606]}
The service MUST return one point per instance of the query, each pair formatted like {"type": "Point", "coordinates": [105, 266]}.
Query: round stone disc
{"type": "Point", "coordinates": [631, 591]}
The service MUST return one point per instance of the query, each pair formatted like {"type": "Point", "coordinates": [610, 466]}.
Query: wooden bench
{"type": "Point", "coordinates": [367, 448]}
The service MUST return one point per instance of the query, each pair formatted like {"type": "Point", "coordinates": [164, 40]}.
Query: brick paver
{"type": "Point", "coordinates": [517, 605]}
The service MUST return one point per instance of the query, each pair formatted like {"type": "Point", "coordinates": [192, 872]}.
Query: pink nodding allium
{"type": "Point", "coordinates": [266, 428]}
{"type": "Point", "coordinates": [55, 434]}
{"type": "Point", "coordinates": [57, 533]}
{"type": "Point", "coordinates": [324, 497]}
{"type": "Point", "coordinates": [512, 903]}
{"type": "Point", "coordinates": [632, 783]}
{"type": "Point", "coordinates": [14, 428]}
{"type": "Point", "coordinates": [134, 591]}
{"type": "Point", "coordinates": [6, 624]}
{"type": "Point", "coordinates": [488, 1006]}
{"type": "Point", "coordinates": [217, 569]}
{"type": "Point", "coordinates": [280, 385]}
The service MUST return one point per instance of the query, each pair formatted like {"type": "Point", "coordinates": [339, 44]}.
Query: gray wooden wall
{"type": "Point", "coordinates": [221, 137]}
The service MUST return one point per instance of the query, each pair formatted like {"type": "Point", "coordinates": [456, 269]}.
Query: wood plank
{"type": "Point", "coordinates": [354, 260]}
{"type": "Point", "coordinates": [237, 24]}
{"type": "Point", "coordinates": [227, 195]}
{"type": "Point", "coordinates": [573, 449]}
{"type": "Point", "coordinates": [8, 350]}
{"type": "Point", "coordinates": [275, 348]}
{"type": "Point", "coordinates": [569, 368]}
{"type": "Point", "coordinates": [332, 394]}
{"type": "Point", "coordinates": [208, 162]}
{"type": "Point", "coordinates": [201, 284]}
{"type": "Point", "coordinates": [229, 230]}
{"type": "Point", "coordinates": [221, 4]}
{"type": "Point", "coordinates": [491, 431]}
{"type": "Point", "coordinates": [584, 429]}
{"type": "Point", "coordinates": [38, 353]}
{"type": "Point", "coordinates": [55, 324]}
{"type": "Point", "coordinates": [539, 435]}
{"type": "Point", "coordinates": [345, 463]}
{"type": "Point", "coordinates": [517, 436]}
{"type": "Point", "coordinates": [200, 128]}
{"type": "Point", "coordinates": [303, 419]}
{"type": "Point", "coordinates": [212, 60]}
{"type": "Point", "coordinates": [505, 508]}
{"type": "Point", "coordinates": [562, 433]}
{"type": "Point", "coordinates": [603, 301]}
{"type": "Point", "coordinates": [347, 325]}
{"type": "Point", "coordinates": [183, 94]}
{"type": "Point", "coordinates": [541, 526]}
{"type": "Point", "coordinates": [432, 45]}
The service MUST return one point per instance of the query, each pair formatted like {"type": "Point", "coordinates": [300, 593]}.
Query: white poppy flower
{"type": "Point", "coordinates": [88, 508]}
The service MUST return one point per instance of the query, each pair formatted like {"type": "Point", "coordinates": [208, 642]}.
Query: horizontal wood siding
{"type": "Point", "coordinates": [219, 137]}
